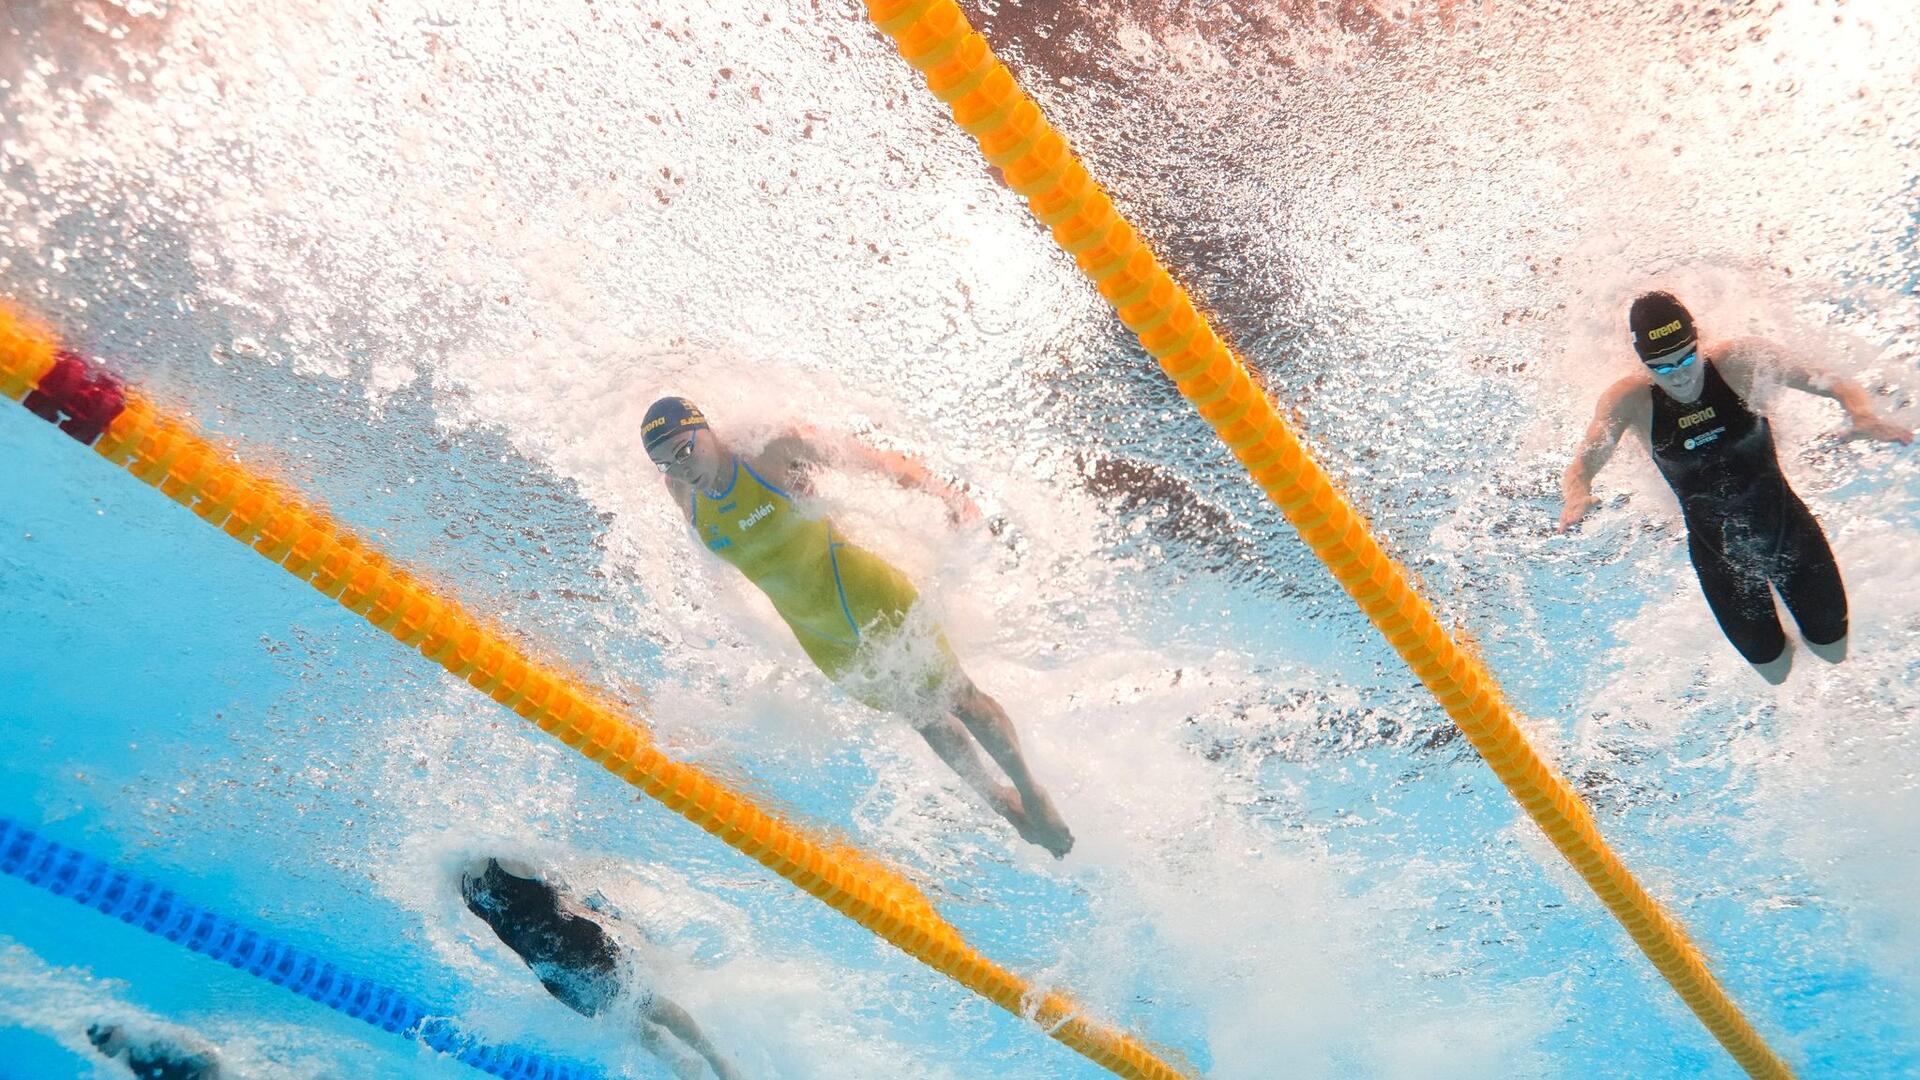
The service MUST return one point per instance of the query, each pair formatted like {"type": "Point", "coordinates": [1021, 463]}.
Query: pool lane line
{"type": "Point", "coordinates": [147, 905]}
{"type": "Point", "coordinates": [934, 37]}
{"type": "Point", "coordinates": [96, 408]}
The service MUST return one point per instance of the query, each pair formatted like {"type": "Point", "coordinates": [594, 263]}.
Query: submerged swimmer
{"type": "Point", "coordinates": [848, 609]}
{"type": "Point", "coordinates": [152, 1058]}
{"type": "Point", "coordinates": [580, 963]}
{"type": "Point", "coordinates": [1748, 534]}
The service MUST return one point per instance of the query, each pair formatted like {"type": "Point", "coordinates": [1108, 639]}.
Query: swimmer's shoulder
{"type": "Point", "coordinates": [1742, 361]}
{"type": "Point", "coordinates": [792, 444]}
{"type": "Point", "coordinates": [1628, 402]}
{"type": "Point", "coordinates": [789, 457]}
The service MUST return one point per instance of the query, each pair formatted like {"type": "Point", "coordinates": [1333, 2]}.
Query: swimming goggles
{"type": "Point", "coordinates": [1685, 361]}
{"type": "Point", "coordinates": [679, 456]}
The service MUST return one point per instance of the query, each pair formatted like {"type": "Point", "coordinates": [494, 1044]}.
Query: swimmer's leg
{"type": "Point", "coordinates": [1809, 582]}
{"type": "Point", "coordinates": [661, 1013]}
{"type": "Point", "coordinates": [655, 1038]}
{"type": "Point", "coordinates": [962, 755]}
{"type": "Point", "coordinates": [988, 722]}
{"type": "Point", "coordinates": [1742, 603]}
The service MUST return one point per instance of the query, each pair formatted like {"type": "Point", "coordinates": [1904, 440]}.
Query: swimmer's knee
{"type": "Point", "coordinates": [965, 697]}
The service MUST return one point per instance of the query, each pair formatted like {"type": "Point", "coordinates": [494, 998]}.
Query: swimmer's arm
{"type": "Point", "coordinates": [1619, 406]}
{"type": "Point", "coordinates": [903, 469]}
{"type": "Point", "coordinates": [1810, 378]}
{"type": "Point", "coordinates": [676, 1020]}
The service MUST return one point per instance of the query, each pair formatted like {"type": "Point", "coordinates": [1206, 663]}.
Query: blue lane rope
{"type": "Point", "coordinates": [85, 880]}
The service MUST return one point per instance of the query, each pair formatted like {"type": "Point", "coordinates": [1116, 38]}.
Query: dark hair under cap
{"type": "Point", "coordinates": [1661, 326]}
{"type": "Point", "coordinates": [669, 417]}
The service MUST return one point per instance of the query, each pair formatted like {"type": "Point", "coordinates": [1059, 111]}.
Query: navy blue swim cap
{"type": "Point", "coordinates": [1662, 327]}
{"type": "Point", "coordinates": [669, 417]}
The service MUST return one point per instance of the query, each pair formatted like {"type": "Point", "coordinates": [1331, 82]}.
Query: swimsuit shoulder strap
{"type": "Point", "coordinates": [765, 483]}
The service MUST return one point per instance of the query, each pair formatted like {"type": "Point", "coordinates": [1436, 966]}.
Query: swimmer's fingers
{"type": "Point", "coordinates": [1873, 427]}
{"type": "Point", "coordinates": [1891, 432]}
{"type": "Point", "coordinates": [1576, 510]}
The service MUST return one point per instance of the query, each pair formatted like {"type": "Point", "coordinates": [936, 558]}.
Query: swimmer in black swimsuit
{"type": "Point", "coordinates": [152, 1058]}
{"type": "Point", "coordinates": [580, 963]}
{"type": "Point", "coordinates": [1748, 534]}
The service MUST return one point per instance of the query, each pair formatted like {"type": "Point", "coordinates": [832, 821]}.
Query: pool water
{"type": "Point", "coordinates": [428, 264]}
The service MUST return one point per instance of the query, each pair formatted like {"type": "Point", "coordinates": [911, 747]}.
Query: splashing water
{"type": "Point", "coordinates": [430, 262]}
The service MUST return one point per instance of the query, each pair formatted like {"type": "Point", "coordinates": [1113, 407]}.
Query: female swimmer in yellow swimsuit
{"type": "Point", "coordinates": [846, 606]}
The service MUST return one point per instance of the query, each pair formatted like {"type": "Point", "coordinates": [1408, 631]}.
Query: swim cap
{"type": "Point", "coordinates": [1661, 326]}
{"type": "Point", "coordinates": [669, 417]}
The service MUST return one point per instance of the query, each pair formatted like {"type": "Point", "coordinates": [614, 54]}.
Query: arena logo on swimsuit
{"type": "Point", "coordinates": [1700, 417]}
{"type": "Point", "coordinates": [757, 516]}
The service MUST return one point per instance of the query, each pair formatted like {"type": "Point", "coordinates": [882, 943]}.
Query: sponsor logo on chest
{"type": "Point", "coordinates": [763, 513]}
{"type": "Point", "coordinates": [1700, 417]}
{"type": "Point", "coordinates": [1703, 439]}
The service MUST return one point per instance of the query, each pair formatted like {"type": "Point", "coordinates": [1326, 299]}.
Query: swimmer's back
{"type": "Point", "coordinates": [573, 956]}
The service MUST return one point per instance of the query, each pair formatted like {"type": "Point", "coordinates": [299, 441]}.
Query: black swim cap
{"type": "Point", "coordinates": [669, 417]}
{"type": "Point", "coordinates": [1662, 327]}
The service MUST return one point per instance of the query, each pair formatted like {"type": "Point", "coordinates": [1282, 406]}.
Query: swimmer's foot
{"type": "Point", "coordinates": [1045, 826]}
{"type": "Point", "coordinates": [1035, 819]}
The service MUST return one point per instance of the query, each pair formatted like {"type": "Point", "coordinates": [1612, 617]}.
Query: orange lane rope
{"type": "Point", "coordinates": [94, 407]}
{"type": "Point", "coordinates": [935, 38]}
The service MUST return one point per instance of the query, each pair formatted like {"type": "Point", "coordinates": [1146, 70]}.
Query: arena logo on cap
{"type": "Point", "coordinates": [1659, 332]}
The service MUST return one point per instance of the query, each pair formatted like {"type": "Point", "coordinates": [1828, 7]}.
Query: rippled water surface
{"type": "Point", "coordinates": [430, 262]}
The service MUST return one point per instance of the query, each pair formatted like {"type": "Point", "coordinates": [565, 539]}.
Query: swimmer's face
{"type": "Point", "coordinates": [1681, 377]}
{"type": "Point", "coordinates": [694, 458]}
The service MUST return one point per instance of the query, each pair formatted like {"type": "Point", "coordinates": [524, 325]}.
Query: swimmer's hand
{"type": "Point", "coordinates": [1578, 505]}
{"type": "Point", "coordinates": [1872, 427]}
{"type": "Point", "coordinates": [962, 511]}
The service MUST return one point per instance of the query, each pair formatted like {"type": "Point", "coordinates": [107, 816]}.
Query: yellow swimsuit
{"type": "Point", "coordinates": [839, 600]}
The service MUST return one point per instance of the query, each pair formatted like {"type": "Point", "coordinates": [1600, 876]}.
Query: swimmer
{"type": "Point", "coordinates": [580, 963]}
{"type": "Point", "coordinates": [844, 604]}
{"type": "Point", "coordinates": [152, 1058]}
{"type": "Point", "coordinates": [1748, 534]}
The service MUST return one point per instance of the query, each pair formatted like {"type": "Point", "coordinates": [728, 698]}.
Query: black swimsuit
{"type": "Point", "coordinates": [1746, 529]}
{"type": "Point", "coordinates": [158, 1062]}
{"type": "Point", "coordinates": [575, 959]}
